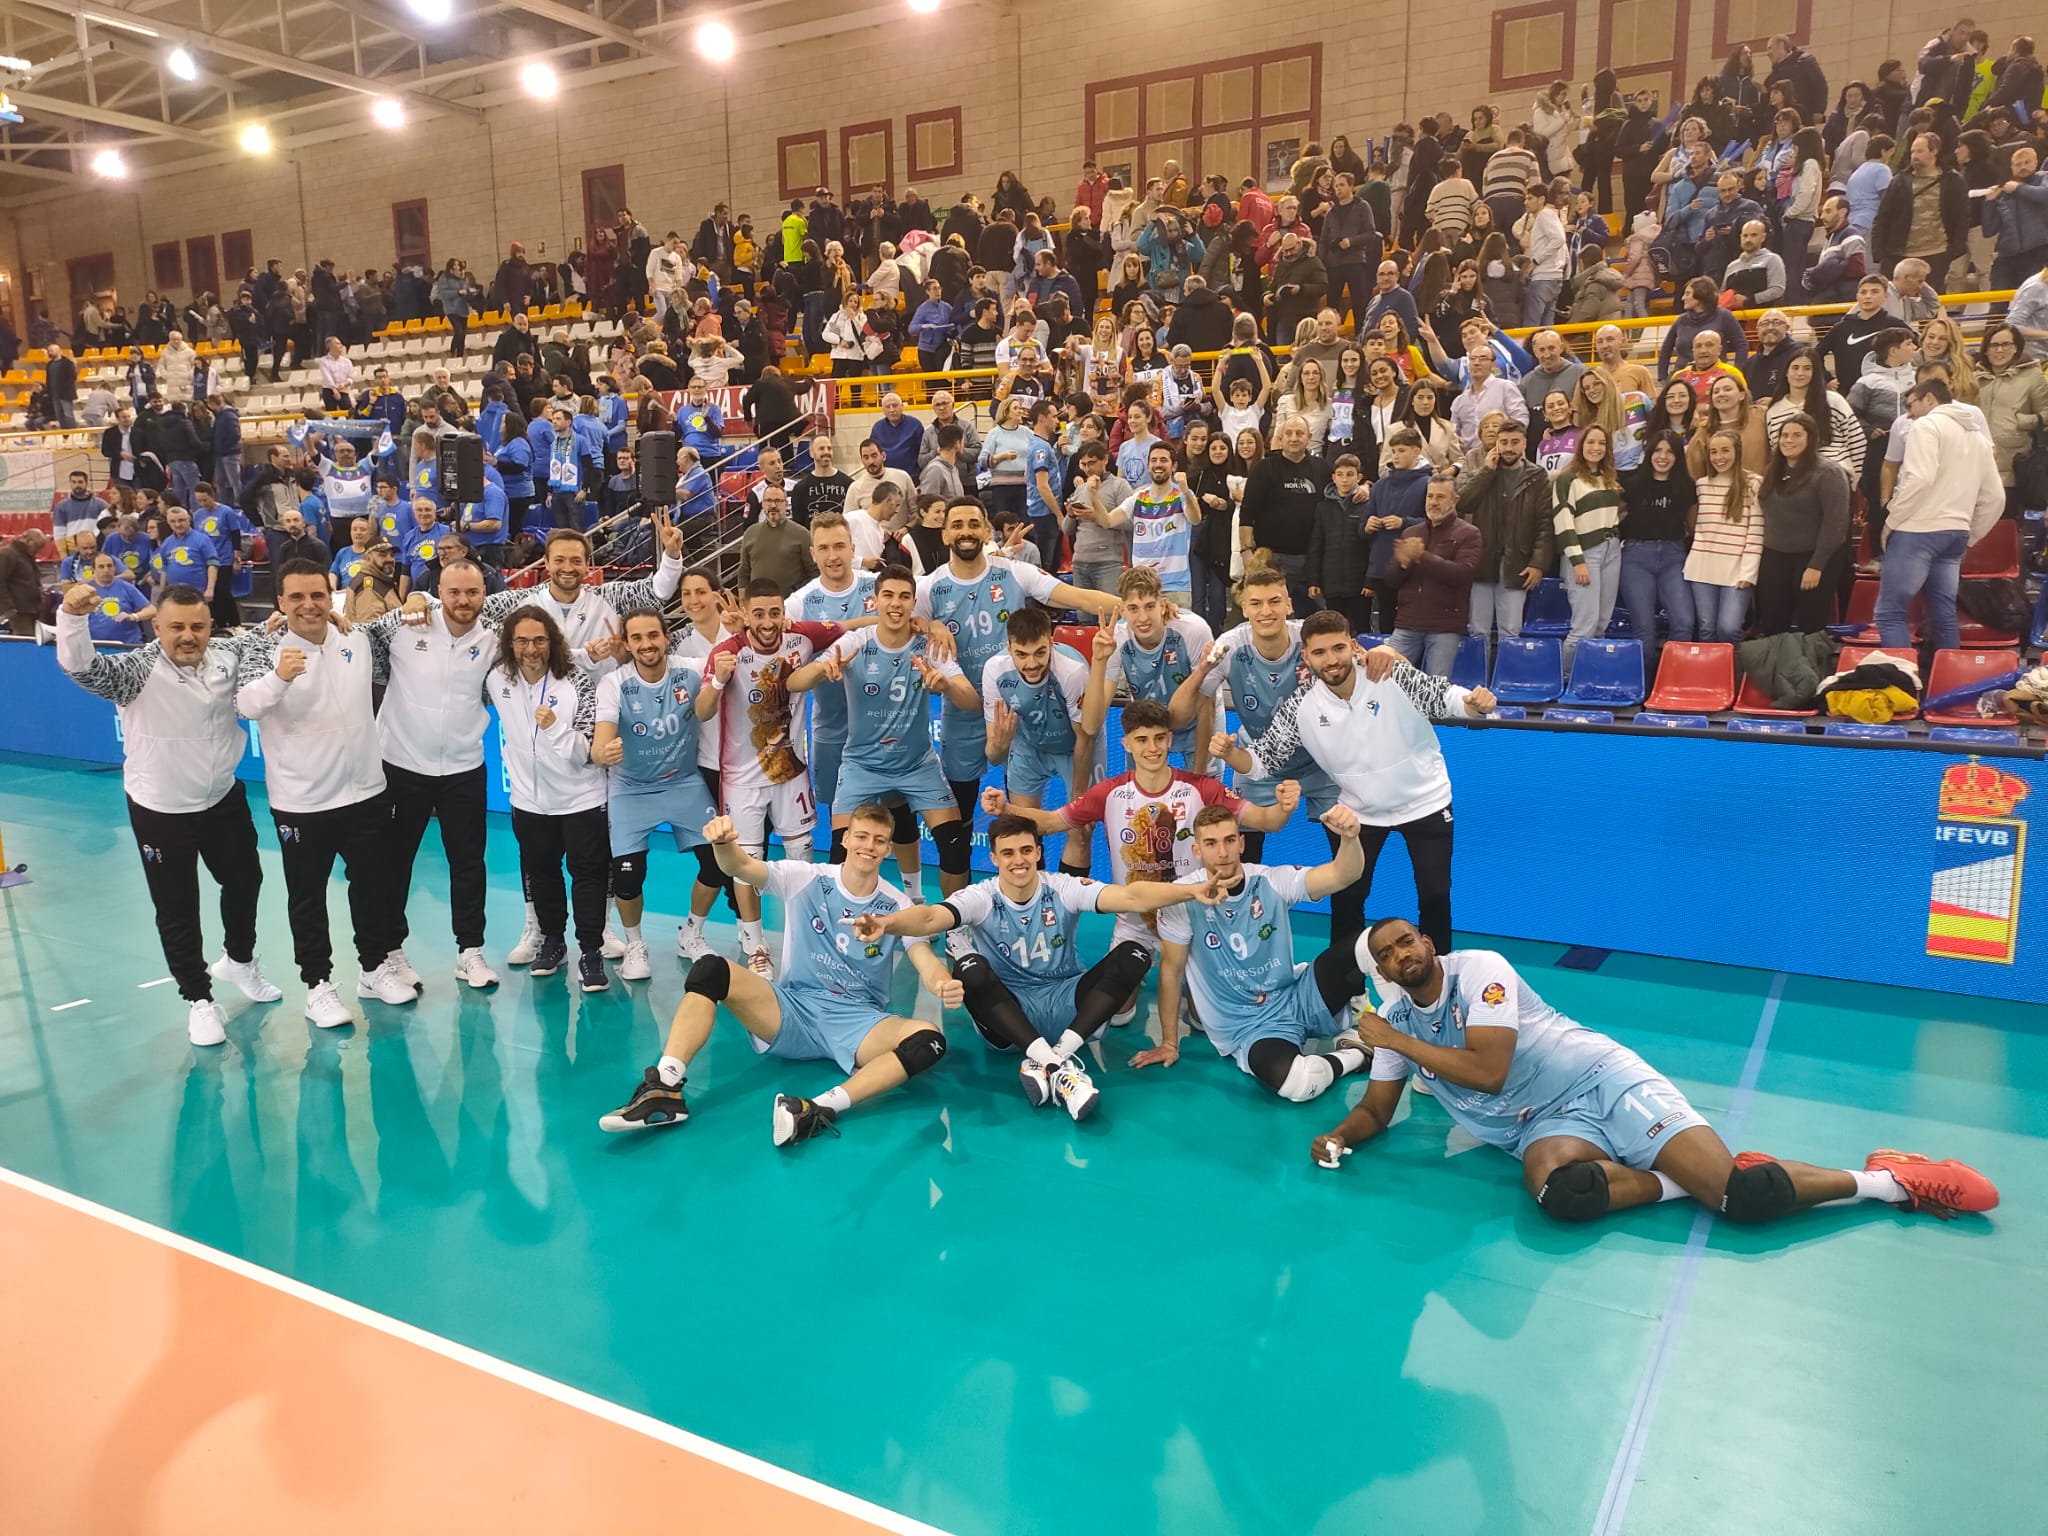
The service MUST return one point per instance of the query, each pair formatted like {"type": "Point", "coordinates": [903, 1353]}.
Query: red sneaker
{"type": "Point", "coordinates": [1944, 1189]}
{"type": "Point", "coordinates": [1751, 1159]}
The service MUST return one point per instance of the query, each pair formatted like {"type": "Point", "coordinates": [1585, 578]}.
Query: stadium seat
{"type": "Point", "coordinates": [1853, 655]}
{"type": "Point", "coordinates": [1469, 670]}
{"type": "Point", "coordinates": [1620, 626]}
{"type": "Point", "coordinates": [1671, 722]}
{"type": "Point", "coordinates": [1529, 669]}
{"type": "Point", "coordinates": [1549, 611]}
{"type": "Point", "coordinates": [1966, 737]}
{"type": "Point", "coordinates": [1580, 716]}
{"type": "Point", "coordinates": [1694, 674]}
{"type": "Point", "coordinates": [1753, 701]}
{"type": "Point", "coordinates": [1606, 672]}
{"type": "Point", "coordinates": [1751, 726]}
{"type": "Point", "coordinates": [1860, 731]}
{"type": "Point", "coordinates": [1960, 669]}
{"type": "Point", "coordinates": [1977, 636]}
{"type": "Point", "coordinates": [1510, 712]}
{"type": "Point", "coordinates": [1368, 639]}
{"type": "Point", "coordinates": [1997, 553]}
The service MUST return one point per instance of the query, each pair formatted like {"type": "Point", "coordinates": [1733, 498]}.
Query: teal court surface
{"type": "Point", "coordinates": [1163, 1320]}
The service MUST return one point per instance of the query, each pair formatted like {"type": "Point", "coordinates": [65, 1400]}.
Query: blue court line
{"type": "Point", "coordinates": [1628, 1456]}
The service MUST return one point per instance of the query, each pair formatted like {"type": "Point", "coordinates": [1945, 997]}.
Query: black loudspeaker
{"type": "Point", "coordinates": [460, 460]}
{"type": "Point", "coordinates": [654, 455]}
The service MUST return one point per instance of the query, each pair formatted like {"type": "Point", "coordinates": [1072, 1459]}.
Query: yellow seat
{"type": "Point", "coordinates": [16, 376]}
{"type": "Point", "coordinates": [415, 328]}
{"type": "Point", "coordinates": [552, 312]}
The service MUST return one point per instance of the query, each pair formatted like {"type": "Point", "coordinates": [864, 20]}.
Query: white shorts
{"type": "Point", "coordinates": [1133, 926]}
{"type": "Point", "coordinates": [789, 807]}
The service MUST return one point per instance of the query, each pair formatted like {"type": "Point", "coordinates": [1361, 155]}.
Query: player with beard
{"type": "Point", "coordinates": [1031, 703]}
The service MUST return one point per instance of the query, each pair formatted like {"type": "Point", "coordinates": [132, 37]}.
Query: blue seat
{"type": "Point", "coordinates": [1620, 626]}
{"type": "Point", "coordinates": [1469, 670]}
{"type": "Point", "coordinates": [1368, 639]}
{"type": "Point", "coordinates": [1549, 610]}
{"type": "Point", "coordinates": [1752, 726]}
{"type": "Point", "coordinates": [1968, 737]}
{"type": "Point", "coordinates": [244, 582]}
{"type": "Point", "coordinates": [1580, 716]}
{"type": "Point", "coordinates": [1606, 672]}
{"type": "Point", "coordinates": [1862, 732]}
{"type": "Point", "coordinates": [1528, 669]}
{"type": "Point", "coordinates": [1671, 722]}
{"type": "Point", "coordinates": [1510, 712]}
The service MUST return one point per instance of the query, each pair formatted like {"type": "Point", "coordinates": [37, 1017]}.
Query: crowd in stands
{"type": "Point", "coordinates": [1194, 376]}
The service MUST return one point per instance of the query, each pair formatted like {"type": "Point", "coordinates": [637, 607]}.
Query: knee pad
{"type": "Point", "coordinates": [973, 971]}
{"type": "Point", "coordinates": [1306, 1079]}
{"type": "Point", "coordinates": [902, 828]}
{"type": "Point", "coordinates": [956, 847]}
{"type": "Point", "coordinates": [629, 876]}
{"type": "Point", "coordinates": [1129, 961]}
{"type": "Point", "coordinates": [921, 1051]}
{"type": "Point", "coordinates": [709, 977]}
{"type": "Point", "coordinates": [1760, 1192]}
{"type": "Point", "coordinates": [1574, 1192]}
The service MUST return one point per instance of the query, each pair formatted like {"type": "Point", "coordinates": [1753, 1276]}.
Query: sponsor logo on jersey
{"type": "Point", "coordinates": [1213, 940]}
{"type": "Point", "coordinates": [639, 727]}
{"type": "Point", "coordinates": [1265, 930]}
{"type": "Point", "coordinates": [1494, 995]}
{"type": "Point", "coordinates": [1048, 916]}
{"type": "Point", "coordinates": [419, 645]}
{"type": "Point", "coordinates": [817, 925]}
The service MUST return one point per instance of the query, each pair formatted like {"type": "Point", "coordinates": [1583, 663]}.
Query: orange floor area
{"type": "Point", "coordinates": [149, 1390]}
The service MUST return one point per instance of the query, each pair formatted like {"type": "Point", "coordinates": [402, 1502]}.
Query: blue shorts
{"type": "Point", "coordinates": [922, 788]}
{"type": "Point", "coordinates": [1027, 770]}
{"type": "Point", "coordinates": [1049, 1005]}
{"type": "Point", "coordinates": [825, 755]}
{"type": "Point", "coordinates": [684, 803]}
{"type": "Point", "coordinates": [1296, 1015]}
{"type": "Point", "coordinates": [1623, 1106]}
{"type": "Point", "coordinates": [820, 1026]}
{"type": "Point", "coordinates": [1318, 791]}
{"type": "Point", "coordinates": [963, 744]}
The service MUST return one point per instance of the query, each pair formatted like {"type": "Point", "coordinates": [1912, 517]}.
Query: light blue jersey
{"type": "Point", "coordinates": [1257, 687]}
{"type": "Point", "coordinates": [1557, 1061]}
{"type": "Point", "coordinates": [976, 609]}
{"type": "Point", "coordinates": [819, 604]}
{"type": "Point", "coordinates": [820, 953]}
{"type": "Point", "coordinates": [1240, 968]}
{"type": "Point", "coordinates": [888, 707]}
{"type": "Point", "coordinates": [1031, 943]}
{"type": "Point", "coordinates": [1155, 675]}
{"type": "Point", "coordinates": [657, 722]}
{"type": "Point", "coordinates": [1046, 710]}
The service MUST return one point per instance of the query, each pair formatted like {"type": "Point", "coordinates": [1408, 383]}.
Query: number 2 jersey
{"type": "Point", "coordinates": [1048, 710]}
{"type": "Point", "coordinates": [757, 744]}
{"type": "Point", "coordinates": [1156, 674]}
{"type": "Point", "coordinates": [1240, 952]}
{"type": "Point", "coordinates": [1028, 943]}
{"type": "Point", "coordinates": [819, 950]}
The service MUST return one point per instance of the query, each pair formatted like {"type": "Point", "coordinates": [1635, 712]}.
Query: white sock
{"type": "Point", "coordinates": [693, 925]}
{"type": "Point", "coordinates": [1043, 1053]}
{"type": "Point", "coordinates": [1667, 1187]}
{"type": "Point", "coordinates": [836, 1101]}
{"type": "Point", "coordinates": [673, 1070]}
{"type": "Point", "coordinates": [633, 933]}
{"type": "Point", "coordinates": [751, 936]}
{"type": "Point", "coordinates": [1070, 1042]}
{"type": "Point", "coordinates": [1347, 1059]}
{"type": "Point", "coordinates": [532, 918]}
{"type": "Point", "coordinates": [1872, 1186]}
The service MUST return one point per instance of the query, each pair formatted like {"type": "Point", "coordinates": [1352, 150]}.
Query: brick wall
{"type": "Point", "coordinates": [689, 137]}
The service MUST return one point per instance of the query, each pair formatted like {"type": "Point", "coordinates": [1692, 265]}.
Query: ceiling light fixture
{"type": "Point", "coordinates": [255, 139]}
{"type": "Point", "coordinates": [181, 63]}
{"type": "Point", "coordinates": [108, 163]}
{"type": "Point", "coordinates": [924, 7]}
{"type": "Point", "coordinates": [716, 42]}
{"type": "Point", "coordinates": [388, 112]}
{"type": "Point", "coordinates": [539, 79]}
{"type": "Point", "coordinates": [435, 11]}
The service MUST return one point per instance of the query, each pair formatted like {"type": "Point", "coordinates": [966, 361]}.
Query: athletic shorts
{"type": "Point", "coordinates": [1049, 1005]}
{"type": "Point", "coordinates": [787, 807]}
{"type": "Point", "coordinates": [1318, 792]}
{"type": "Point", "coordinates": [820, 1026]}
{"type": "Point", "coordinates": [634, 814]}
{"type": "Point", "coordinates": [963, 743]}
{"type": "Point", "coordinates": [1623, 1106]}
{"type": "Point", "coordinates": [1027, 770]}
{"type": "Point", "coordinates": [922, 788]}
{"type": "Point", "coordinates": [825, 755]}
{"type": "Point", "coordinates": [1133, 927]}
{"type": "Point", "coordinates": [1296, 1014]}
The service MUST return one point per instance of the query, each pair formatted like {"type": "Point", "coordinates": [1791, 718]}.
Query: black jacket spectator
{"type": "Point", "coordinates": [1892, 225]}
{"type": "Point", "coordinates": [1809, 84]}
{"type": "Point", "coordinates": [996, 248]}
{"type": "Point", "coordinates": [963, 221]}
{"type": "Point", "coordinates": [60, 378]}
{"type": "Point", "coordinates": [1280, 501]}
{"type": "Point", "coordinates": [949, 268]}
{"type": "Point", "coordinates": [916, 213]}
{"type": "Point", "coordinates": [1203, 320]}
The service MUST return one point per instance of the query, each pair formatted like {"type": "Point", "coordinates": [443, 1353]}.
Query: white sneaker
{"type": "Point", "coordinates": [1350, 1038]}
{"type": "Point", "coordinates": [762, 964]}
{"type": "Point", "coordinates": [383, 986]}
{"type": "Point", "coordinates": [633, 964]}
{"type": "Point", "coordinates": [528, 946]}
{"type": "Point", "coordinates": [471, 967]}
{"type": "Point", "coordinates": [691, 943]}
{"type": "Point", "coordinates": [399, 966]}
{"type": "Point", "coordinates": [614, 946]}
{"type": "Point", "coordinates": [203, 1025]}
{"type": "Point", "coordinates": [326, 1009]}
{"type": "Point", "coordinates": [1036, 1078]}
{"type": "Point", "coordinates": [1076, 1089]}
{"type": "Point", "coordinates": [248, 979]}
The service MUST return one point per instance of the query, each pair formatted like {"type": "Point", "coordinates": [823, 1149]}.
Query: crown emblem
{"type": "Point", "coordinates": [1977, 792]}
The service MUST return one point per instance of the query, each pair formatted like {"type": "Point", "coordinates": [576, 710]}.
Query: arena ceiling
{"type": "Point", "coordinates": [175, 84]}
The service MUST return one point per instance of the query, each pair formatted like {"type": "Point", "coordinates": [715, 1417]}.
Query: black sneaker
{"type": "Point", "coordinates": [799, 1120]}
{"type": "Point", "coordinates": [549, 957]}
{"type": "Point", "coordinates": [653, 1104]}
{"type": "Point", "coordinates": [590, 971]}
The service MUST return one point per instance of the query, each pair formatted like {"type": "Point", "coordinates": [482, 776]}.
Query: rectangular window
{"type": "Point", "coordinates": [409, 234]}
{"type": "Point", "coordinates": [201, 266]}
{"type": "Point", "coordinates": [1227, 117]}
{"type": "Point", "coordinates": [604, 195]}
{"type": "Point", "coordinates": [867, 158]}
{"type": "Point", "coordinates": [1643, 42]}
{"type": "Point", "coordinates": [1533, 44]}
{"type": "Point", "coordinates": [237, 255]}
{"type": "Point", "coordinates": [1752, 23]}
{"type": "Point", "coordinates": [934, 143]}
{"type": "Point", "coordinates": [167, 266]}
{"type": "Point", "coordinates": [800, 163]}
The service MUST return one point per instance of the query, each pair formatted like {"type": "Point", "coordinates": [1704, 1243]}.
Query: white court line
{"type": "Point", "coordinates": [1628, 1456]}
{"type": "Point", "coordinates": [518, 1376]}
{"type": "Point", "coordinates": [161, 981]}
{"type": "Point", "coordinates": [77, 1002]}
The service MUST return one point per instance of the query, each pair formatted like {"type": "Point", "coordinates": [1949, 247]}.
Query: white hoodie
{"type": "Point", "coordinates": [1949, 479]}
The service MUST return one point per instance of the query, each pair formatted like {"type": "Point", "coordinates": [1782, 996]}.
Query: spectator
{"type": "Point", "coordinates": [1451, 202]}
{"type": "Point", "coordinates": [1300, 282]}
{"type": "Point", "coordinates": [60, 385]}
{"type": "Point", "coordinates": [1435, 562]}
{"type": "Point", "coordinates": [21, 584]}
{"type": "Point", "coordinates": [1304, 397]}
{"type": "Point", "coordinates": [1804, 501]}
{"type": "Point", "coordinates": [120, 608]}
{"type": "Point", "coordinates": [1508, 500]}
{"type": "Point", "coordinates": [1658, 504]}
{"type": "Point", "coordinates": [1757, 274]}
{"type": "Point", "coordinates": [2016, 212]}
{"type": "Point", "coordinates": [1947, 497]}
{"type": "Point", "coordinates": [1485, 392]}
{"type": "Point", "coordinates": [1587, 524]}
{"type": "Point", "coordinates": [1203, 321]}
{"type": "Point", "coordinates": [899, 435]}
{"type": "Point", "coordinates": [1727, 541]}
{"type": "Point", "coordinates": [1720, 233]}
{"type": "Point", "coordinates": [1912, 298]}
{"type": "Point", "coordinates": [1172, 253]}
{"type": "Point", "coordinates": [1338, 563]}
{"type": "Point", "coordinates": [1802, 72]}
{"type": "Point", "coordinates": [1389, 298]}
{"type": "Point", "coordinates": [1556, 372]}
{"type": "Point", "coordinates": [1837, 434]}
{"type": "Point", "coordinates": [1541, 234]}
{"type": "Point", "coordinates": [1559, 437]}
{"type": "Point", "coordinates": [1923, 213]}
{"type": "Point", "coordinates": [1878, 397]}
{"type": "Point", "coordinates": [1701, 312]}
{"type": "Point", "coordinates": [776, 548]}
{"type": "Point", "coordinates": [821, 488]}
{"type": "Point", "coordinates": [1280, 499]}
{"type": "Point", "coordinates": [293, 540]}
{"type": "Point", "coordinates": [1867, 183]}
{"type": "Point", "coordinates": [2014, 398]}
{"type": "Point", "coordinates": [1350, 243]}
{"type": "Point", "coordinates": [1398, 499]}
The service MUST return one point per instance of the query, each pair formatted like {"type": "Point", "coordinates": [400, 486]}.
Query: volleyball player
{"type": "Point", "coordinates": [1031, 698]}
{"type": "Point", "coordinates": [1595, 1127]}
{"type": "Point", "coordinates": [834, 1003]}
{"type": "Point", "coordinates": [180, 746]}
{"type": "Point", "coordinates": [1153, 650]}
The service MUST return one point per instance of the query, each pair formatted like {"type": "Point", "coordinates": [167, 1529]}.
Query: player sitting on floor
{"type": "Point", "coordinates": [833, 1004]}
{"type": "Point", "coordinates": [1025, 986]}
{"type": "Point", "coordinates": [1596, 1127]}
{"type": "Point", "coordinates": [1257, 1006]}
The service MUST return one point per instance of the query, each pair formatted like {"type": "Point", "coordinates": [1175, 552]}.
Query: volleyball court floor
{"type": "Point", "coordinates": [395, 1279]}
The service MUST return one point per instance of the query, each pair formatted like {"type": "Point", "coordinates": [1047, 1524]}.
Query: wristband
{"type": "Point", "coordinates": [715, 685]}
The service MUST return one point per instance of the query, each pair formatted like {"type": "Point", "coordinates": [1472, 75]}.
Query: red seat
{"type": "Point", "coordinates": [1960, 669]}
{"type": "Point", "coordinates": [1694, 677]}
{"type": "Point", "coordinates": [1752, 700]}
{"type": "Point", "coordinates": [1863, 611]}
{"type": "Point", "coordinates": [1852, 655]}
{"type": "Point", "coordinates": [733, 483]}
{"type": "Point", "coordinates": [1997, 553]}
{"type": "Point", "coordinates": [1081, 637]}
{"type": "Point", "coordinates": [1977, 636]}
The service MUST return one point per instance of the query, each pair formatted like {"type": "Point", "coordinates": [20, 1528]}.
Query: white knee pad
{"type": "Point", "coordinates": [798, 849]}
{"type": "Point", "coordinates": [1307, 1079]}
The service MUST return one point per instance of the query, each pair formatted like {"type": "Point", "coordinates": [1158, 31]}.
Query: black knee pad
{"type": "Point", "coordinates": [921, 1051]}
{"type": "Point", "coordinates": [902, 828]}
{"type": "Point", "coordinates": [973, 971]}
{"type": "Point", "coordinates": [1129, 962]}
{"type": "Point", "coordinates": [1574, 1192]}
{"type": "Point", "coordinates": [1760, 1192]}
{"type": "Point", "coordinates": [956, 847]}
{"type": "Point", "coordinates": [629, 876]}
{"type": "Point", "coordinates": [709, 977]}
